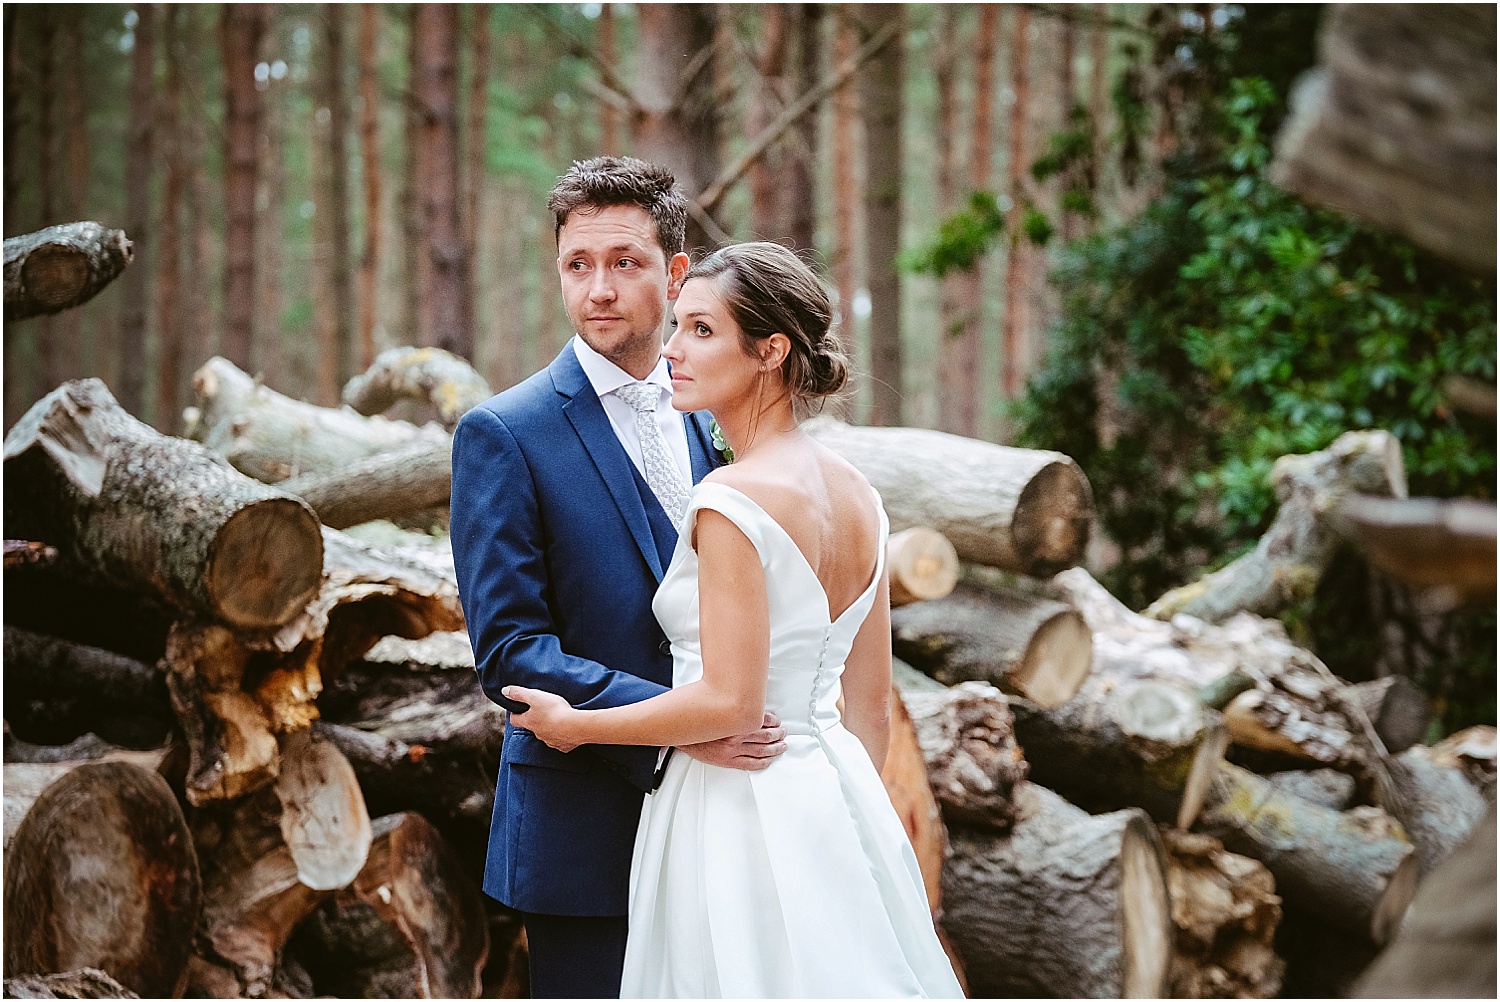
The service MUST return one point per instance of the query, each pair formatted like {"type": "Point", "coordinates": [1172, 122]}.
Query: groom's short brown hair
{"type": "Point", "coordinates": [604, 181]}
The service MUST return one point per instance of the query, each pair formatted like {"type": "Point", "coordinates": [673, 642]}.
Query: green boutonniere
{"type": "Point", "coordinates": [720, 445]}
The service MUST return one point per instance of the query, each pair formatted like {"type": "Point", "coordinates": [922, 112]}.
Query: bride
{"type": "Point", "coordinates": [798, 880]}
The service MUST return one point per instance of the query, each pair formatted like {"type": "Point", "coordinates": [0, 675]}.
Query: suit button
{"type": "Point", "coordinates": [665, 647]}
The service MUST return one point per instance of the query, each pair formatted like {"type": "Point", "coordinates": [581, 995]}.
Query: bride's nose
{"type": "Point", "coordinates": [671, 350]}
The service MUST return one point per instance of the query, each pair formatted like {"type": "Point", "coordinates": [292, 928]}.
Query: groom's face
{"type": "Point", "coordinates": [616, 281]}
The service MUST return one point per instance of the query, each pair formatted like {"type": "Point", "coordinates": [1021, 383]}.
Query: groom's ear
{"type": "Point", "coordinates": [677, 270]}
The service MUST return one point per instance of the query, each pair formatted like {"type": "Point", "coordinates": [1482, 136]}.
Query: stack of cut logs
{"type": "Point", "coordinates": [246, 752]}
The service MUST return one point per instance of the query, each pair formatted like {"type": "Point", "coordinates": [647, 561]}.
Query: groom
{"type": "Point", "coordinates": [566, 493]}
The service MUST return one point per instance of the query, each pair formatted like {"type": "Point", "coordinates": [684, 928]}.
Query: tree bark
{"type": "Point", "coordinates": [84, 983]}
{"type": "Point", "coordinates": [1066, 905]}
{"type": "Point", "coordinates": [387, 485]}
{"type": "Point", "coordinates": [847, 194]}
{"type": "Point", "coordinates": [958, 396]}
{"type": "Point", "coordinates": [677, 124]}
{"type": "Point", "coordinates": [974, 765]}
{"type": "Point", "coordinates": [804, 151]}
{"type": "Point", "coordinates": [1034, 647]}
{"type": "Point", "coordinates": [905, 777]}
{"type": "Point", "coordinates": [67, 348]}
{"type": "Point", "coordinates": [102, 873]}
{"type": "Point", "coordinates": [1442, 806]}
{"type": "Point", "coordinates": [345, 361]}
{"type": "Point", "coordinates": [881, 88]}
{"type": "Point", "coordinates": [766, 219]}
{"type": "Point", "coordinates": [1285, 565]}
{"type": "Point", "coordinates": [1149, 745]}
{"type": "Point", "coordinates": [447, 309]}
{"type": "Point", "coordinates": [272, 437]}
{"type": "Point", "coordinates": [1021, 510]}
{"type": "Point", "coordinates": [170, 331]}
{"type": "Point", "coordinates": [372, 175]}
{"type": "Point", "coordinates": [1325, 787]}
{"type": "Point", "coordinates": [1225, 911]}
{"type": "Point", "coordinates": [61, 267]}
{"type": "Point", "coordinates": [476, 149]}
{"type": "Point", "coordinates": [1354, 869]}
{"type": "Point", "coordinates": [922, 565]}
{"type": "Point", "coordinates": [413, 911]}
{"type": "Point", "coordinates": [138, 162]}
{"type": "Point", "coordinates": [241, 28]}
{"type": "Point", "coordinates": [1446, 946]}
{"type": "Point", "coordinates": [1016, 259]}
{"type": "Point", "coordinates": [140, 510]}
{"type": "Point", "coordinates": [1397, 127]}
{"type": "Point", "coordinates": [429, 375]}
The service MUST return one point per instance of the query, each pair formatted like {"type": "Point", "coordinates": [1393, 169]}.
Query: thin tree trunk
{"type": "Point", "coordinates": [46, 374]}
{"type": "Point", "coordinates": [344, 360]}
{"type": "Point", "coordinates": [280, 359]}
{"type": "Point", "coordinates": [68, 348]}
{"type": "Point", "coordinates": [414, 234]}
{"type": "Point", "coordinates": [1067, 82]}
{"type": "Point", "coordinates": [132, 336]}
{"type": "Point", "coordinates": [803, 150]}
{"type": "Point", "coordinates": [956, 397]}
{"type": "Point", "coordinates": [611, 134]}
{"type": "Point", "coordinates": [201, 333]}
{"type": "Point", "coordinates": [766, 220]}
{"type": "Point", "coordinates": [435, 90]}
{"type": "Point", "coordinates": [369, 145]}
{"type": "Point", "coordinates": [1098, 98]}
{"type": "Point", "coordinates": [241, 28]}
{"type": "Point", "coordinates": [477, 143]}
{"type": "Point", "coordinates": [169, 330]}
{"type": "Point", "coordinates": [846, 194]}
{"type": "Point", "coordinates": [981, 171]}
{"type": "Point", "coordinates": [12, 128]}
{"type": "Point", "coordinates": [1016, 260]}
{"type": "Point", "coordinates": [881, 89]}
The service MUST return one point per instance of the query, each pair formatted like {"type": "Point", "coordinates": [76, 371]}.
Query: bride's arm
{"type": "Point", "coordinates": [735, 630]}
{"type": "Point", "coordinates": [867, 678]}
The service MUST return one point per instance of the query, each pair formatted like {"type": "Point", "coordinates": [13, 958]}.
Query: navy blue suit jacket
{"type": "Point", "coordinates": [559, 546]}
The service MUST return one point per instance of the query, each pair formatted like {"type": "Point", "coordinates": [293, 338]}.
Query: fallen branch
{"type": "Point", "coordinates": [61, 266]}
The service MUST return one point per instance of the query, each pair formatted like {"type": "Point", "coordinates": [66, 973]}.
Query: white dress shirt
{"type": "Point", "coordinates": [606, 377]}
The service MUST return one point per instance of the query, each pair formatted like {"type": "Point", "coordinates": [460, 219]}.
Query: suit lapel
{"type": "Point", "coordinates": [586, 414]}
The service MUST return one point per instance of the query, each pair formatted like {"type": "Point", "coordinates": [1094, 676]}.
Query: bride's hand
{"type": "Point", "coordinates": [550, 717]}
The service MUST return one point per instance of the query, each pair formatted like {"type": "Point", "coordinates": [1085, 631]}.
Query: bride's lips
{"type": "Point", "coordinates": [679, 378]}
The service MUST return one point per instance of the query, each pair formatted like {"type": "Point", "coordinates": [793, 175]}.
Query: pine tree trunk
{"type": "Point", "coordinates": [138, 164]}
{"type": "Point", "coordinates": [846, 191]}
{"type": "Point", "coordinates": [414, 260]}
{"type": "Point", "coordinates": [344, 359]}
{"type": "Point", "coordinates": [435, 91]}
{"type": "Point", "coordinates": [475, 179]}
{"type": "Point", "coordinates": [241, 28]}
{"type": "Point", "coordinates": [169, 330]}
{"type": "Point", "coordinates": [675, 86]}
{"type": "Point", "coordinates": [881, 89]}
{"type": "Point", "coordinates": [767, 221]}
{"type": "Point", "coordinates": [17, 391]}
{"type": "Point", "coordinates": [611, 134]}
{"type": "Point", "coordinates": [959, 381]}
{"type": "Point", "coordinates": [68, 348]}
{"type": "Point", "coordinates": [804, 150]}
{"type": "Point", "coordinates": [1016, 261]}
{"type": "Point", "coordinates": [45, 372]}
{"type": "Point", "coordinates": [282, 360]}
{"type": "Point", "coordinates": [372, 176]}
{"type": "Point", "coordinates": [967, 335]}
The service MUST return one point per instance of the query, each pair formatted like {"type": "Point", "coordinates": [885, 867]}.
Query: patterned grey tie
{"type": "Point", "coordinates": [662, 474]}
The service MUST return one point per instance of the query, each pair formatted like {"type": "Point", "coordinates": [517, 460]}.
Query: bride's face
{"type": "Point", "coordinates": [710, 367]}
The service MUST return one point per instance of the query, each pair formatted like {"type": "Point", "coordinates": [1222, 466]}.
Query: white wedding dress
{"type": "Point", "coordinates": [796, 881]}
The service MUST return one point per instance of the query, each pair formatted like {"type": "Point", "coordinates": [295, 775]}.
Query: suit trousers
{"type": "Point", "coordinates": [579, 957]}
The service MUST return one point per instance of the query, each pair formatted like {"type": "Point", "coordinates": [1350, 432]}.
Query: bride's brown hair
{"type": "Point", "coordinates": [770, 290]}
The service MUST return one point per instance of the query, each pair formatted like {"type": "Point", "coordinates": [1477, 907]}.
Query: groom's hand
{"type": "Point", "coordinates": [751, 752]}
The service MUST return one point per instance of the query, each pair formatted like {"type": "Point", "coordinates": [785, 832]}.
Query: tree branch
{"type": "Point", "coordinates": [788, 117]}
{"type": "Point", "coordinates": [607, 75]}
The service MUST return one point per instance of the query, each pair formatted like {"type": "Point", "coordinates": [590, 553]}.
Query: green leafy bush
{"type": "Point", "coordinates": [1230, 324]}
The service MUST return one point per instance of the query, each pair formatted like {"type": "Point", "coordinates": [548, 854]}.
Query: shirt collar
{"type": "Point", "coordinates": [606, 377]}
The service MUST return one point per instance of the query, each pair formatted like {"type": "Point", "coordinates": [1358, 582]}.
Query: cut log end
{"type": "Point", "coordinates": [923, 565]}
{"type": "Point", "coordinates": [1391, 907]}
{"type": "Point", "coordinates": [1050, 527]}
{"type": "Point", "coordinates": [1147, 913]}
{"type": "Point", "coordinates": [259, 574]}
{"type": "Point", "coordinates": [1057, 660]}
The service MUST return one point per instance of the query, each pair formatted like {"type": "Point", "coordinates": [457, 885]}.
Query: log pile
{"type": "Point", "coordinates": [301, 704]}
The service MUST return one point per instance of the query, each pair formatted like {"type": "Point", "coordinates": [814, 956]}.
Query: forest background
{"type": "Point", "coordinates": [1047, 225]}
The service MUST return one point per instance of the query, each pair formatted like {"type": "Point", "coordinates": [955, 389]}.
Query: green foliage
{"type": "Point", "coordinates": [1230, 324]}
{"type": "Point", "coordinates": [962, 239]}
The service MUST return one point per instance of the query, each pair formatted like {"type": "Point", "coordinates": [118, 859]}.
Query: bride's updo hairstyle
{"type": "Point", "coordinates": [769, 290]}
